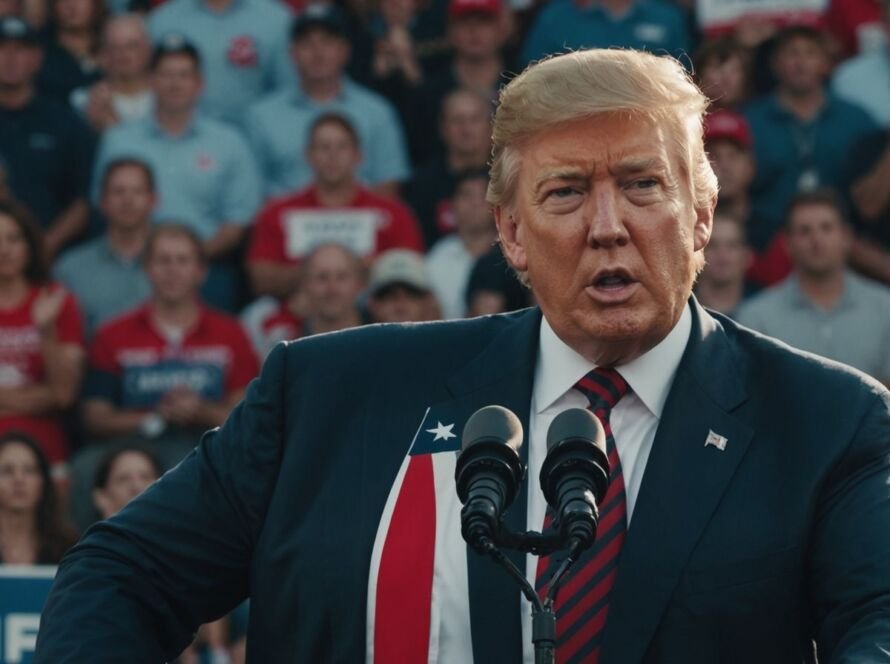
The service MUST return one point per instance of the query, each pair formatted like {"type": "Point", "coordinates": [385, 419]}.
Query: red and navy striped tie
{"type": "Point", "coordinates": [583, 600]}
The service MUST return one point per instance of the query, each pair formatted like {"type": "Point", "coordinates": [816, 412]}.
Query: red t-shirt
{"type": "Point", "coordinates": [21, 365]}
{"type": "Point", "coordinates": [856, 24]}
{"type": "Point", "coordinates": [772, 265]}
{"type": "Point", "coordinates": [288, 228]}
{"type": "Point", "coordinates": [133, 364]}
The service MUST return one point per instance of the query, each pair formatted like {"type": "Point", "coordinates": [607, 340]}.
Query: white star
{"type": "Point", "coordinates": [442, 432]}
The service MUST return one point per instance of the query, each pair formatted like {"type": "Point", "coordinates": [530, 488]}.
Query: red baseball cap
{"type": "Point", "coordinates": [729, 126]}
{"type": "Point", "coordinates": [461, 8]}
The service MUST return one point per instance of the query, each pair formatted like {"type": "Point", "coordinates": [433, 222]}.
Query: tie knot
{"type": "Point", "coordinates": [603, 388]}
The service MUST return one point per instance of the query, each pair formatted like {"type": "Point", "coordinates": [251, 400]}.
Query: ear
{"type": "Point", "coordinates": [704, 222]}
{"type": "Point", "coordinates": [510, 234]}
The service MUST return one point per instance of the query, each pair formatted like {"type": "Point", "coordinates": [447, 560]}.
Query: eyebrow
{"type": "Point", "coordinates": [633, 165]}
{"type": "Point", "coordinates": [558, 174]}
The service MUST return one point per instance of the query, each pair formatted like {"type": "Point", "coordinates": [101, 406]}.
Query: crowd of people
{"type": "Point", "coordinates": [185, 183]}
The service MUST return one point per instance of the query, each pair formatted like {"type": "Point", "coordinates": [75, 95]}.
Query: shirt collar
{"type": "Point", "coordinates": [155, 128]}
{"type": "Point", "coordinates": [650, 376]}
{"type": "Point", "coordinates": [299, 97]}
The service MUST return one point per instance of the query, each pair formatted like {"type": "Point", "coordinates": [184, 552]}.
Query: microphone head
{"type": "Point", "coordinates": [490, 448]}
{"type": "Point", "coordinates": [576, 446]}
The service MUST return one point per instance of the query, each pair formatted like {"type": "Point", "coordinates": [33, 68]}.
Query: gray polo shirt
{"type": "Point", "coordinates": [277, 127]}
{"type": "Point", "coordinates": [856, 331]}
{"type": "Point", "coordinates": [104, 283]}
{"type": "Point", "coordinates": [244, 49]}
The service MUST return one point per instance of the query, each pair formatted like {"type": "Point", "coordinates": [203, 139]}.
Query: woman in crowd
{"type": "Point", "coordinates": [71, 46]}
{"type": "Point", "coordinates": [41, 340]}
{"type": "Point", "coordinates": [32, 531]}
{"type": "Point", "coordinates": [122, 475]}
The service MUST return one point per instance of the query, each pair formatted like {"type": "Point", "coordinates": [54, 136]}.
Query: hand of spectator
{"type": "Point", "coordinates": [871, 194]}
{"type": "Point", "coordinates": [100, 109]}
{"type": "Point", "coordinates": [46, 307]}
{"type": "Point", "coordinates": [180, 406]}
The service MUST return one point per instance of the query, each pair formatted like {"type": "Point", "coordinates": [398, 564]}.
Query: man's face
{"type": "Point", "coordinates": [74, 14]}
{"type": "Point", "coordinates": [726, 256]}
{"type": "Point", "coordinates": [14, 252]}
{"type": "Point", "coordinates": [126, 49]}
{"type": "Point", "coordinates": [320, 55]}
{"type": "Point", "coordinates": [734, 167]}
{"type": "Point", "coordinates": [476, 36]}
{"type": "Point", "coordinates": [127, 199]}
{"type": "Point", "coordinates": [818, 241]}
{"type": "Point", "coordinates": [466, 127]}
{"type": "Point", "coordinates": [604, 224]}
{"type": "Point", "coordinates": [174, 269]}
{"type": "Point", "coordinates": [724, 82]}
{"type": "Point", "coordinates": [333, 154]}
{"type": "Point", "coordinates": [177, 83]}
{"type": "Point", "coordinates": [19, 63]}
{"type": "Point", "coordinates": [801, 65]}
{"type": "Point", "coordinates": [130, 475]}
{"type": "Point", "coordinates": [331, 284]}
{"type": "Point", "coordinates": [471, 211]}
{"type": "Point", "coordinates": [399, 304]}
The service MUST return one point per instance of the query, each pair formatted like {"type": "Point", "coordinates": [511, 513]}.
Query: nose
{"type": "Point", "coordinates": [606, 229]}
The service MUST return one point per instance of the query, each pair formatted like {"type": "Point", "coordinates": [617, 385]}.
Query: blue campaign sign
{"type": "Point", "coordinates": [23, 591]}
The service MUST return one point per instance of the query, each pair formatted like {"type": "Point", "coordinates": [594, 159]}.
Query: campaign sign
{"type": "Point", "coordinates": [719, 15]}
{"type": "Point", "coordinates": [23, 591]}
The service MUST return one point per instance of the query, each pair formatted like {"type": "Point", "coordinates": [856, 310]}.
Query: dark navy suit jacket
{"type": "Point", "coordinates": [758, 553]}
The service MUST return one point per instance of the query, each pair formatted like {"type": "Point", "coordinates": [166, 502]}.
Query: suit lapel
{"type": "Point", "coordinates": [682, 486]}
{"type": "Point", "coordinates": [501, 375]}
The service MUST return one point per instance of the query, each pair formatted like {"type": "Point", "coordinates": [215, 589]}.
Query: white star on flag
{"type": "Point", "coordinates": [442, 432]}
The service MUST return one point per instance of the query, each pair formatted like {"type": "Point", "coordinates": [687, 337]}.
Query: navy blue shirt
{"type": "Point", "coordinates": [648, 25]}
{"type": "Point", "coordinates": [47, 151]}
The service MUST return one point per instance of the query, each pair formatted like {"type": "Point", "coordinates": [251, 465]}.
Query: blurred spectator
{"type": "Point", "coordinates": [721, 70]}
{"type": "Point", "coordinates": [856, 25]}
{"type": "Point", "coordinates": [477, 30]}
{"type": "Point", "coordinates": [172, 367]}
{"type": "Point", "coordinates": [730, 149]}
{"type": "Point", "coordinates": [44, 144]}
{"type": "Point", "coordinates": [569, 24]}
{"type": "Point", "coordinates": [335, 208]}
{"type": "Point", "coordinates": [41, 340]}
{"type": "Point", "coordinates": [721, 286]}
{"type": "Point", "coordinates": [269, 320]}
{"type": "Point", "coordinates": [125, 94]}
{"type": "Point", "coordinates": [206, 176]}
{"type": "Point", "coordinates": [394, 63]}
{"type": "Point", "coordinates": [278, 125]}
{"type": "Point", "coordinates": [122, 474]}
{"type": "Point", "coordinates": [802, 133]}
{"type": "Point", "coordinates": [465, 127]}
{"type": "Point", "coordinates": [865, 79]}
{"type": "Point", "coordinates": [243, 46]}
{"type": "Point", "coordinates": [493, 287]}
{"type": "Point", "coordinates": [105, 274]}
{"type": "Point", "coordinates": [399, 288]}
{"type": "Point", "coordinates": [451, 259]}
{"type": "Point", "coordinates": [333, 280]}
{"type": "Point", "coordinates": [71, 46]}
{"type": "Point", "coordinates": [822, 307]}
{"type": "Point", "coordinates": [32, 531]}
{"type": "Point", "coordinates": [870, 194]}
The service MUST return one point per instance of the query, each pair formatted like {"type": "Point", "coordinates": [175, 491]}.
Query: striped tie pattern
{"type": "Point", "coordinates": [583, 600]}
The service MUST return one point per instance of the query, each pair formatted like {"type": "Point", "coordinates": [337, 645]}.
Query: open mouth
{"type": "Point", "coordinates": [612, 280]}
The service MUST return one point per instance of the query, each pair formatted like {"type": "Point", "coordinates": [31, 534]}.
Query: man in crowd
{"type": "Point", "coordinates": [399, 288]}
{"type": "Point", "coordinates": [865, 79]}
{"type": "Point", "coordinates": [823, 307]}
{"type": "Point", "coordinates": [754, 476]}
{"type": "Point", "coordinates": [206, 175]}
{"type": "Point", "coordinates": [334, 208]}
{"type": "Point", "coordinates": [106, 274]}
{"type": "Point", "coordinates": [243, 46]}
{"type": "Point", "coordinates": [721, 286]}
{"type": "Point", "coordinates": [278, 125]}
{"type": "Point", "coordinates": [45, 146]}
{"type": "Point", "coordinates": [451, 260]}
{"type": "Point", "coordinates": [465, 128]}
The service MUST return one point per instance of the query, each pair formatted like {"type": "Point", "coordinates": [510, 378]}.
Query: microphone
{"type": "Point", "coordinates": [488, 473]}
{"type": "Point", "coordinates": [575, 474]}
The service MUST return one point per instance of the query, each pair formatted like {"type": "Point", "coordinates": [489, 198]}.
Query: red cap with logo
{"type": "Point", "coordinates": [728, 126]}
{"type": "Point", "coordinates": [461, 8]}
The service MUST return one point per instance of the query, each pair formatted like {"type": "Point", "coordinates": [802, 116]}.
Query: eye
{"type": "Point", "coordinates": [645, 183]}
{"type": "Point", "coordinates": [562, 192]}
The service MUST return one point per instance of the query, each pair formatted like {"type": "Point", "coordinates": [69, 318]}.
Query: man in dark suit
{"type": "Point", "coordinates": [752, 487]}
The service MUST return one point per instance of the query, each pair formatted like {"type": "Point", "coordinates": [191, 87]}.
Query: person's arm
{"type": "Point", "coordinates": [67, 226]}
{"type": "Point", "coordinates": [137, 586]}
{"type": "Point", "coordinates": [849, 575]}
{"type": "Point", "coordinates": [184, 407]}
{"type": "Point", "coordinates": [102, 419]}
{"type": "Point", "coordinates": [27, 400]}
{"type": "Point", "coordinates": [272, 278]}
{"type": "Point", "coordinates": [224, 242]}
{"type": "Point", "coordinates": [871, 259]}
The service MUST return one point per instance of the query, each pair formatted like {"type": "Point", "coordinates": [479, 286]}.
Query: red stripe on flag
{"type": "Point", "coordinates": [405, 577]}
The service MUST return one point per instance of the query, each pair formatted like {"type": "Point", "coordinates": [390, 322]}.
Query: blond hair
{"type": "Point", "coordinates": [586, 83]}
